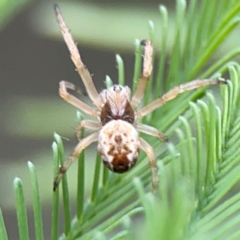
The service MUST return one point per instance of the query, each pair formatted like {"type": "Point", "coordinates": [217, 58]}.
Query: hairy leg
{"type": "Point", "coordinates": [78, 149]}
{"type": "Point", "coordinates": [76, 58]}
{"type": "Point", "coordinates": [63, 86]}
{"type": "Point", "coordinates": [151, 131]}
{"type": "Point", "coordinates": [152, 162]}
{"type": "Point", "coordinates": [88, 124]}
{"type": "Point", "coordinates": [147, 70]}
{"type": "Point", "coordinates": [173, 93]}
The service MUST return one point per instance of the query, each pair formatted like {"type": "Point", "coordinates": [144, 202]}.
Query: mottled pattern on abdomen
{"type": "Point", "coordinates": [118, 145]}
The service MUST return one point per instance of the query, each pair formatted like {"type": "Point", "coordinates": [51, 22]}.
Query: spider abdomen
{"type": "Point", "coordinates": [118, 145]}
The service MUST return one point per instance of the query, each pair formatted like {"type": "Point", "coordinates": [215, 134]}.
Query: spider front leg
{"type": "Point", "coordinates": [147, 70]}
{"type": "Point", "coordinates": [152, 162]}
{"type": "Point", "coordinates": [86, 124]}
{"type": "Point", "coordinates": [76, 58]}
{"type": "Point", "coordinates": [195, 84]}
{"type": "Point", "coordinates": [63, 86]}
{"type": "Point", "coordinates": [78, 149]}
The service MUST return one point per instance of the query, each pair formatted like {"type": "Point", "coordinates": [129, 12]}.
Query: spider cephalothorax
{"type": "Point", "coordinates": [116, 129]}
{"type": "Point", "coordinates": [116, 104]}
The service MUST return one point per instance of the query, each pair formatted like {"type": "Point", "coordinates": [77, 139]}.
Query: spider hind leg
{"type": "Point", "coordinates": [85, 142]}
{"type": "Point", "coordinates": [152, 162]}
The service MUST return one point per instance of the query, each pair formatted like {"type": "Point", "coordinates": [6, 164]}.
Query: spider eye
{"type": "Point", "coordinates": [117, 87]}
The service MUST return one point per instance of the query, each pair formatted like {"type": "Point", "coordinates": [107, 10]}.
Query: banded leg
{"type": "Point", "coordinates": [151, 131]}
{"type": "Point", "coordinates": [152, 162]}
{"type": "Point", "coordinates": [86, 124]}
{"type": "Point", "coordinates": [76, 58]}
{"type": "Point", "coordinates": [63, 86]}
{"type": "Point", "coordinates": [78, 149]}
{"type": "Point", "coordinates": [195, 84]}
{"type": "Point", "coordinates": [147, 70]}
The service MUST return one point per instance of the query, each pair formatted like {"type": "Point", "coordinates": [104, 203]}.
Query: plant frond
{"type": "Point", "coordinates": [205, 172]}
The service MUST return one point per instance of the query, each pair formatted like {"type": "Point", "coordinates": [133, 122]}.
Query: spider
{"type": "Point", "coordinates": [116, 129]}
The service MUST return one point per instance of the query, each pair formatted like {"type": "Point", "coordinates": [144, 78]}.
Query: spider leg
{"type": "Point", "coordinates": [74, 88]}
{"type": "Point", "coordinates": [151, 131]}
{"type": "Point", "coordinates": [76, 58]}
{"type": "Point", "coordinates": [147, 69]}
{"type": "Point", "coordinates": [175, 92]}
{"type": "Point", "coordinates": [87, 124]}
{"type": "Point", "coordinates": [66, 165]}
{"type": "Point", "coordinates": [63, 86]}
{"type": "Point", "coordinates": [152, 162]}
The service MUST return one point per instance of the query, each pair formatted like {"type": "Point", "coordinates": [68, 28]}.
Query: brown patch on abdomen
{"type": "Point", "coordinates": [118, 139]}
{"type": "Point", "coordinates": [120, 162]}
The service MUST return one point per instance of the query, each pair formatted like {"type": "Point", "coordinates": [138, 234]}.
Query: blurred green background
{"type": "Point", "coordinates": [34, 58]}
